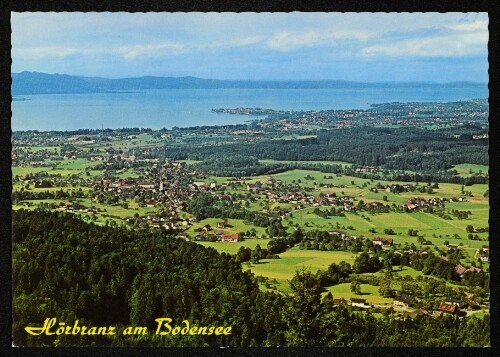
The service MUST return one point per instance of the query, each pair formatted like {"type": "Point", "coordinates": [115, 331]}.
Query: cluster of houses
{"type": "Point", "coordinates": [396, 188]}
{"type": "Point", "coordinates": [420, 202]}
{"type": "Point", "coordinates": [164, 218]}
{"type": "Point", "coordinates": [207, 233]}
{"type": "Point", "coordinates": [277, 191]}
{"type": "Point", "coordinates": [383, 241]}
{"type": "Point", "coordinates": [75, 206]}
{"type": "Point", "coordinates": [484, 253]}
{"type": "Point", "coordinates": [461, 270]}
{"type": "Point", "coordinates": [448, 307]}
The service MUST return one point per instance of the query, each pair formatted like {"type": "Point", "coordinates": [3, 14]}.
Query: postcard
{"type": "Point", "coordinates": [192, 179]}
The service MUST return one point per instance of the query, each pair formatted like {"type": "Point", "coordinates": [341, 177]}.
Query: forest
{"type": "Point", "coordinates": [66, 268]}
{"type": "Point", "coordinates": [428, 152]}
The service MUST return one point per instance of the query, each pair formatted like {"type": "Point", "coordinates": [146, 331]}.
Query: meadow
{"type": "Point", "coordinates": [368, 292]}
{"type": "Point", "coordinates": [466, 170]}
{"type": "Point", "coordinates": [433, 228]}
{"type": "Point", "coordinates": [233, 247]}
{"type": "Point", "coordinates": [295, 259]}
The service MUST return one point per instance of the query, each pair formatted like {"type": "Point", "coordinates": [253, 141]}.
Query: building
{"type": "Point", "coordinates": [447, 308]}
{"type": "Point", "coordinates": [459, 303]}
{"type": "Point", "coordinates": [403, 300]}
{"type": "Point", "coordinates": [360, 303]}
{"type": "Point", "coordinates": [341, 301]}
{"type": "Point", "coordinates": [460, 270]}
{"type": "Point", "coordinates": [484, 253]}
{"type": "Point", "coordinates": [229, 237]}
{"type": "Point", "coordinates": [223, 224]}
{"type": "Point", "coordinates": [383, 241]}
{"type": "Point", "coordinates": [338, 233]}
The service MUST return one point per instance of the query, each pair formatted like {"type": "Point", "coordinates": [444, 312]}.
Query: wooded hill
{"type": "Point", "coordinates": [100, 275]}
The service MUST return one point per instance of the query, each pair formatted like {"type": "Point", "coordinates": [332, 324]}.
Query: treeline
{"type": "Point", "coordinates": [104, 276]}
{"type": "Point", "coordinates": [22, 195]}
{"type": "Point", "coordinates": [205, 205]}
{"type": "Point", "coordinates": [234, 168]}
{"type": "Point", "coordinates": [427, 263]}
{"type": "Point", "coordinates": [428, 152]}
{"type": "Point", "coordinates": [65, 268]}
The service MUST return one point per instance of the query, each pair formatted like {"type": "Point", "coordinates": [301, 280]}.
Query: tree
{"type": "Point", "coordinates": [302, 310]}
{"type": "Point", "coordinates": [277, 245]}
{"type": "Point", "coordinates": [356, 287]}
{"type": "Point", "coordinates": [244, 254]}
{"type": "Point", "coordinates": [384, 288]}
{"type": "Point", "coordinates": [256, 254]}
{"type": "Point", "coordinates": [469, 228]}
{"type": "Point", "coordinates": [366, 264]}
{"type": "Point", "coordinates": [388, 268]}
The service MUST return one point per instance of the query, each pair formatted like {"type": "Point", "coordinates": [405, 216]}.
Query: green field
{"type": "Point", "coordinates": [368, 292]}
{"type": "Point", "coordinates": [342, 163]}
{"type": "Point", "coordinates": [235, 226]}
{"type": "Point", "coordinates": [432, 227]}
{"type": "Point", "coordinates": [466, 170]}
{"type": "Point", "coordinates": [233, 247]}
{"type": "Point", "coordinates": [293, 260]}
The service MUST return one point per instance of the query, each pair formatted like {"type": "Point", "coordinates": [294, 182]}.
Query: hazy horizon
{"type": "Point", "coordinates": [260, 80]}
{"type": "Point", "coordinates": [354, 47]}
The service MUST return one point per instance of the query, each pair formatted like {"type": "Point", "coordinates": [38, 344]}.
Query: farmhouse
{"type": "Point", "coordinates": [410, 205]}
{"type": "Point", "coordinates": [474, 269]}
{"type": "Point", "coordinates": [447, 308]}
{"type": "Point", "coordinates": [223, 224]}
{"type": "Point", "coordinates": [383, 241]}
{"type": "Point", "coordinates": [414, 314]}
{"type": "Point", "coordinates": [337, 233]}
{"type": "Point", "coordinates": [360, 303]}
{"type": "Point", "coordinates": [459, 303]}
{"type": "Point", "coordinates": [403, 300]}
{"type": "Point", "coordinates": [68, 205]}
{"type": "Point", "coordinates": [229, 237]}
{"type": "Point", "coordinates": [341, 301]}
{"type": "Point", "coordinates": [484, 253]}
{"type": "Point", "coordinates": [184, 236]}
{"type": "Point", "coordinates": [460, 270]}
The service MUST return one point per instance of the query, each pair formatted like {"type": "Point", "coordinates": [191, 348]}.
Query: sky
{"type": "Point", "coordinates": [364, 47]}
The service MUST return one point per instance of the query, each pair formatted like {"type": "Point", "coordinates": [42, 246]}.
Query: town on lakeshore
{"type": "Point", "coordinates": [415, 240]}
{"type": "Point", "coordinates": [250, 179]}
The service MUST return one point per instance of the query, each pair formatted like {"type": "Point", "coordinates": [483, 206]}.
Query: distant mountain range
{"type": "Point", "coordinates": [25, 83]}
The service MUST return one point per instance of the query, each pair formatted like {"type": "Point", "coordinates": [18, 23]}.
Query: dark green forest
{"type": "Point", "coordinates": [66, 268]}
{"type": "Point", "coordinates": [422, 150]}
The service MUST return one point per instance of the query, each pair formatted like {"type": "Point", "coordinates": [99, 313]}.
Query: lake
{"type": "Point", "coordinates": [167, 108]}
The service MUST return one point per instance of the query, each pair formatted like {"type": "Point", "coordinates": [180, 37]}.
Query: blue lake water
{"type": "Point", "coordinates": [192, 107]}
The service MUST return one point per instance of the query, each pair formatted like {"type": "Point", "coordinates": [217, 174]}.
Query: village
{"type": "Point", "coordinates": [130, 178]}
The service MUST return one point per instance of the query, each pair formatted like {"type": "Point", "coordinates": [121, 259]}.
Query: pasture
{"type": "Point", "coordinates": [368, 292]}
{"type": "Point", "coordinates": [295, 259]}
{"type": "Point", "coordinates": [466, 170]}
{"type": "Point", "coordinates": [233, 247]}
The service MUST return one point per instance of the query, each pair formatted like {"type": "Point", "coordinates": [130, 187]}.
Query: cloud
{"type": "Point", "coordinates": [127, 52]}
{"type": "Point", "coordinates": [285, 41]}
{"type": "Point", "coordinates": [479, 25]}
{"type": "Point", "coordinates": [235, 42]}
{"type": "Point", "coordinates": [463, 39]}
{"type": "Point", "coordinates": [149, 50]}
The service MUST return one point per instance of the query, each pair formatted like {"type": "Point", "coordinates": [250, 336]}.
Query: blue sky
{"type": "Point", "coordinates": [280, 46]}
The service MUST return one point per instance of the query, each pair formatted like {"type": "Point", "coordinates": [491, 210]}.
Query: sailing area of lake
{"type": "Point", "coordinates": [167, 108]}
